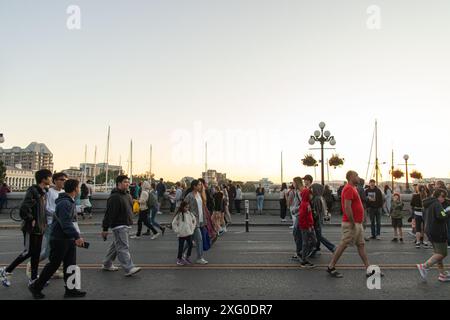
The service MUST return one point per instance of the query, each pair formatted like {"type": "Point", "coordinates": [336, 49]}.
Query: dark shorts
{"type": "Point", "coordinates": [397, 222]}
{"type": "Point", "coordinates": [440, 248]}
{"type": "Point", "coordinates": [419, 223]}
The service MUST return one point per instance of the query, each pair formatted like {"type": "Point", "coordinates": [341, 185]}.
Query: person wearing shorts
{"type": "Point", "coordinates": [437, 232]}
{"type": "Point", "coordinates": [352, 225]}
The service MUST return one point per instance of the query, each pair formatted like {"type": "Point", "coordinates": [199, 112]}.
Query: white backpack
{"type": "Point", "coordinates": [184, 224]}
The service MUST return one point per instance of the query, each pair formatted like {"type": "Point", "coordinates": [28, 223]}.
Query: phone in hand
{"type": "Point", "coordinates": [86, 245]}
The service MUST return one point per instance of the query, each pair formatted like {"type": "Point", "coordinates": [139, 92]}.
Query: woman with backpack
{"type": "Point", "coordinates": [144, 211]}
{"type": "Point", "coordinates": [84, 200]}
{"type": "Point", "coordinates": [183, 225]}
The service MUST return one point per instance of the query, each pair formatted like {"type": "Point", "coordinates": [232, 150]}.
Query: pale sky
{"type": "Point", "coordinates": [176, 73]}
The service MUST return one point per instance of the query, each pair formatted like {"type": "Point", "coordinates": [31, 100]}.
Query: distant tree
{"type": "Point", "coordinates": [112, 175]}
{"type": "Point", "coordinates": [235, 183]}
{"type": "Point", "coordinates": [2, 172]}
{"type": "Point", "coordinates": [248, 187]}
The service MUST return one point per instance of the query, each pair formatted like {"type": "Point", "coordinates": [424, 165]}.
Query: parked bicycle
{"type": "Point", "coordinates": [15, 214]}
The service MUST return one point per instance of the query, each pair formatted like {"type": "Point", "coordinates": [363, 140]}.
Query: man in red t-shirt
{"type": "Point", "coordinates": [352, 228]}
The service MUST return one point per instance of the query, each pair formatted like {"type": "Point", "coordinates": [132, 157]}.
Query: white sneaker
{"type": "Point", "coordinates": [28, 272]}
{"type": "Point", "coordinates": [155, 236]}
{"type": "Point", "coordinates": [159, 212]}
{"type": "Point", "coordinates": [423, 271]}
{"type": "Point", "coordinates": [378, 238]}
{"type": "Point", "coordinates": [133, 270]}
{"type": "Point", "coordinates": [112, 268]}
{"type": "Point", "coordinates": [4, 278]}
{"type": "Point", "coordinates": [291, 227]}
{"type": "Point", "coordinates": [444, 277]}
{"type": "Point", "coordinates": [283, 220]}
{"type": "Point", "coordinates": [201, 261]}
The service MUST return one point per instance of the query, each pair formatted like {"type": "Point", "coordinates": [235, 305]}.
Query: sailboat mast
{"type": "Point", "coordinates": [281, 167]}
{"type": "Point", "coordinates": [392, 171]}
{"type": "Point", "coordinates": [95, 166]}
{"type": "Point", "coordinates": [377, 168]}
{"type": "Point", "coordinates": [85, 160]}
{"type": "Point", "coordinates": [151, 154]}
{"type": "Point", "coordinates": [206, 162]}
{"type": "Point", "coordinates": [107, 160]}
{"type": "Point", "coordinates": [131, 161]}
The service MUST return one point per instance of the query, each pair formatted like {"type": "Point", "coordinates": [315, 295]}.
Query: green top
{"type": "Point", "coordinates": [397, 209]}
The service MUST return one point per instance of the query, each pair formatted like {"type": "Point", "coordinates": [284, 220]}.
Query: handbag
{"type": "Point", "coordinates": [206, 239]}
{"type": "Point", "coordinates": [136, 207]}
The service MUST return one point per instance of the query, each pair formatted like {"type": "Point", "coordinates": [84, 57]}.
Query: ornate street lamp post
{"type": "Point", "coordinates": [322, 137]}
{"type": "Point", "coordinates": [406, 157]}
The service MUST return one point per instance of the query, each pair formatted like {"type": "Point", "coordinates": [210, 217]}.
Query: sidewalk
{"type": "Point", "coordinates": [239, 220]}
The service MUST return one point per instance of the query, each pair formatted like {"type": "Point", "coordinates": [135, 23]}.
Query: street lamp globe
{"type": "Point", "coordinates": [311, 141]}
{"type": "Point", "coordinates": [2, 138]}
{"type": "Point", "coordinates": [406, 157]}
{"type": "Point", "coordinates": [333, 142]}
{"type": "Point", "coordinates": [317, 133]}
{"type": "Point", "coordinates": [322, 125]}
{"type": "Point", "coordinates": [327, 134]}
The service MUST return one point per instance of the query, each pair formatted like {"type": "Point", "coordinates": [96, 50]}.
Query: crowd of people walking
{"type": "Point", "coordinates": [201, 214]}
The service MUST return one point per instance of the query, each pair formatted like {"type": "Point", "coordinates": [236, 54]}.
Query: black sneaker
{"type": "Point", "coordinates": [373, 237]}
{"type": "Point", "coordinates": [333, 272]}
{"type": "Point", "coordinates": [38, 295]}
{"type": "Point", "coordinates": [418, 245]}
{"type": "Point", "coordinates": [394, 240]}
{"type": "Point", "coordinates": [74, 293]}
{"type": "Point", "coordinates": [368, 275]}
{"type": "Point", "coordinates": [307, 265]}
{"type": "Point", "coordinates": [401, 240]}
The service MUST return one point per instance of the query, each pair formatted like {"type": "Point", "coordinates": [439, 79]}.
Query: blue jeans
{"type": "Point", "coordinates": [197, 237]}
{"type": "Point", "coordinates": [153, 222]}
{"type": "Point", "coordinates": [323, 240]}
{"type": "Point", "coordinates": [297, 237]}
{"type": "Point", "coordinates": [448, 231]}
{"type": "Point", "coordinates": [45, 249]}
{"type": "Point", "coordinates": [375, 221]}
{"type": "Point", "coordinates": [259, 203]}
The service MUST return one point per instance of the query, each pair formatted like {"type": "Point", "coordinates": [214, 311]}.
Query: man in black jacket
{"type": "Point", "coordinates": [374, 203]}
{"type": "Point", "coordinates": [118, 217]}
{"type": "Point", "coordinates": [436, 217]}
{"type": "Point", "coordinates": [32, 211]}
{"type": "Point", "coordinates": [64, 239]}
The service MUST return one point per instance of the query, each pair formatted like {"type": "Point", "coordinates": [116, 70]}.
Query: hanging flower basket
{"type": "Point", "coordinates": [309, 161]}
{"type": "Point", "coordinates": [335, 161]}
{"type": "Point", "coordinates": [416, 175]}
{"type": "Point", "coordinates": [398, 174]}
